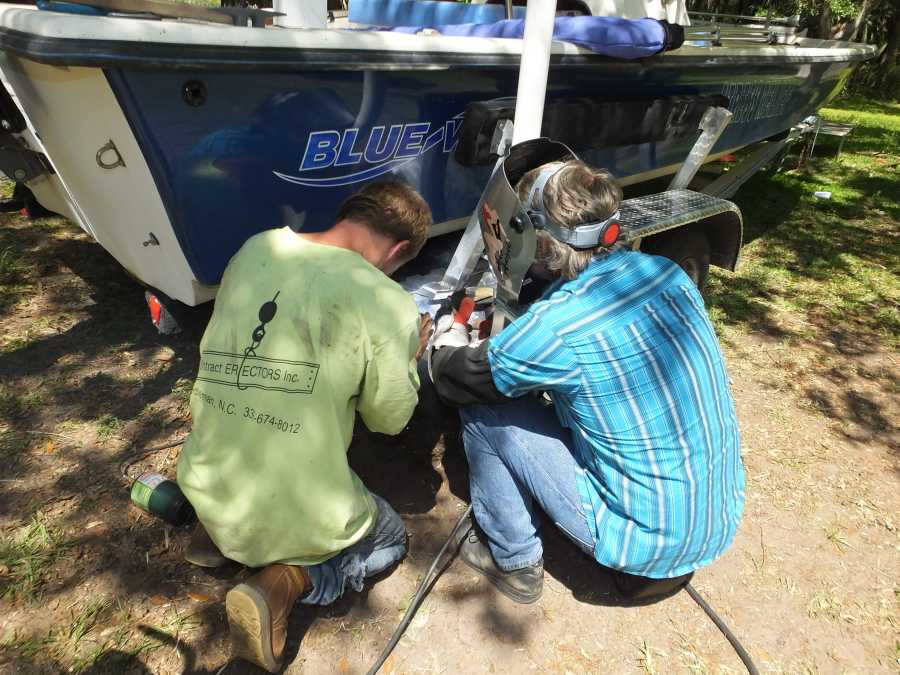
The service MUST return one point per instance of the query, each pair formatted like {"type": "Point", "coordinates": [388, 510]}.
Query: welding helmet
{"type": "Point", "coordinates": [508, 226]}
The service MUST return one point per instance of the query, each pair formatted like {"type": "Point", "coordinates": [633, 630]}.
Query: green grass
{"type": "Point", "coordinates": [25, 559]}
{"type": "Point", "coordinates": [13, 277]}
{"type": "Point", "coordinates": [100, 636]}
{"type": "Point", "coordinates": [182, 391]}
{"type": "Point", "coordinates": [15, 404]}
{"type": "Point", "coordinates": [812, 267]}
{"type": "Point", "coordinates": [11, 266]}
{"type": "Point", "coordinates": [12, 443]}
{"type": "Point", "coordinates": [108, 426]}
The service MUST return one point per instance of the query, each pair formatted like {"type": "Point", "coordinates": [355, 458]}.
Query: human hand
{"type": "Point", "coordinates": [425, 326]}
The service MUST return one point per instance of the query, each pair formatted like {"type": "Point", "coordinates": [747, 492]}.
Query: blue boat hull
{"type": "Point", "coordinates": [235, 153]}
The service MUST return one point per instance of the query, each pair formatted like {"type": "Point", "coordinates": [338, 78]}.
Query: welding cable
{"type": "Point", "coordinates": [127, 464]}
{"type": "Point", "coordinates": [726, 631]}
{"type": "Point", "coordinates": [432, 575]}
{"type": "Point", "coordinates": [425, 586]}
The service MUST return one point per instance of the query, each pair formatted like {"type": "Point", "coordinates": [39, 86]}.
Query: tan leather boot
{"type": "Point", "coordinates": [258, 611]}
{"type": "Point", "coordinates": [201, 550]}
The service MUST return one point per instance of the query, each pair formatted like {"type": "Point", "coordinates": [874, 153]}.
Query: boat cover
{"type": "Point", "coordinates": [443, 13]}
{"type": "Point", "coordinates": [610, 36]}
{"type": "Point", "coordinates": [425, 12]}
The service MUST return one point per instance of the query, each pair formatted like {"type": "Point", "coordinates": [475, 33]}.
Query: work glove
{"type": "Point", "coordinates": [453, 329]}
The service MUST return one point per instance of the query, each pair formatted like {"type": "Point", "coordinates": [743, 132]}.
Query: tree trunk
{"type": "Point", "coordinates": [819, 25]}
{"type": "Point", "coordinates": [849, 30]}
{"type": "Point", "coordinates": [824, 28]}
{"type": "Point", "coordinates": [889, 55]}
{"type": "Point", "coordinates": [860, 33]}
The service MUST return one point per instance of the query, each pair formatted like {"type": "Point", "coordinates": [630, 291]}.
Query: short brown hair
{"type": "Point", "coordinates": [575, 194]}
{"type": "Point", "coordinates": [392, 209]}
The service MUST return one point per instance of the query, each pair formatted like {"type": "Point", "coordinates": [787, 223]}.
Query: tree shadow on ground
{"type": "Point", "coordinates": [815, 281]}
{"type": "Point", "coordinates": [80, 492]}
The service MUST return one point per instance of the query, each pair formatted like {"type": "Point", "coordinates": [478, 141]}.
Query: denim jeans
{"type": "Point", "coordinates": [382, 547]}
{"type": "Point", "coordinates": [520, 454]}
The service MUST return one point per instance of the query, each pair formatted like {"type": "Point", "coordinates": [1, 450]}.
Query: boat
{"type": "Point", "coordinates": [172, 141]}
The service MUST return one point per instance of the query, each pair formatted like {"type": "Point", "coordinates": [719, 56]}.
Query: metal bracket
{"type": "Point", "coordinates": [109, 147]}
{"type": "Point", "coordinates": [714, 121]}
{"type": "Point", "coordinates": [728, 183]}
{"type": "Point", "coordinates": [21, 164]}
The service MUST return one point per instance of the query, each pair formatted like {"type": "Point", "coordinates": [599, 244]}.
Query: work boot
{"type": "Point", "coordinates": [258, 611]}
{"type": "Point", "coordinates": [523, 586]}
{"type": "Point", "coordinates": [201, 550]}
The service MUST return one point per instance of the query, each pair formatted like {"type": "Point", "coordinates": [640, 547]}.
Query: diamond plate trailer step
{"type": "Point", "coordinates": [721, 220]}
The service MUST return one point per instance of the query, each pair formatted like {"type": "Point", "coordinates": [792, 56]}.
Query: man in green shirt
{"type": "Point", "coordinates": [307, 331]}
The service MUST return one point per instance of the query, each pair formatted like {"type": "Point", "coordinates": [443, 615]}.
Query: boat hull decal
{"type": "Point", "coordinates": [404, 144]}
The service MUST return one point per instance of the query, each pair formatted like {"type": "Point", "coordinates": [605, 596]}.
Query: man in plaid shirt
{"type": "Point", "coordinates": [637, 459]}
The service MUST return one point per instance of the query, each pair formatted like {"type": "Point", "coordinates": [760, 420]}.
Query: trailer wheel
{"type": "Point", "coordinates": [685, 246]}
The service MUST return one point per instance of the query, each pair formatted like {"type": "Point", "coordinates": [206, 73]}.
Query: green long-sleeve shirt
{"type": "Point", "coordinates": [276, 395]}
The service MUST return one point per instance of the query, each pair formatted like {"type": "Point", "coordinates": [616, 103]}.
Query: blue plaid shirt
{"type": "Point", "coordinates": [635, 371]}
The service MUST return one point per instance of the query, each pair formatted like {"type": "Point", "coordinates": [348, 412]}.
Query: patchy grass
{"type": "Point", "coordinates": [182, 391]}
{"type": "Point", "coordinates": [16, 404]}
{"type": "Point", "coordinates": [107, 427]}
{"type": "Point", "coordinates": [12, 268]}
{"type": "Point", "coordinates": [809, 263]}
{"type": "Point", "coordinates": [14, 277]}
{"type": "Point", "coordinates": [12, 443]}
{"type": "Point", "coordinates": [836, 535]}
{"type": "Point", "coordinates": [647, 659]}
{"type": "Point", "coordinates": [101, 636]}
{"type": "Point", "coordinates": [26, 557]}
{"type": "Point", "coordinates": [820, 279]}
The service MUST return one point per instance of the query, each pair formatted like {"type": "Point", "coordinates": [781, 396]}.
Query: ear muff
{"type": "Point", "coordinates": [610, 234]}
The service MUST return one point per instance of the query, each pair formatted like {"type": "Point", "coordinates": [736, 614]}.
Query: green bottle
{"type": "Point", "coordinates": [157, 495]}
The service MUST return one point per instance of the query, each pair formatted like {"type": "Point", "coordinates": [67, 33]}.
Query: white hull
{"type": "Point", "coordinates": [120, 208]}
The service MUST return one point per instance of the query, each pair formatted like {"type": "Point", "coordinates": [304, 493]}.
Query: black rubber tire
{"type": "Point", "coordinates": [686, 246]}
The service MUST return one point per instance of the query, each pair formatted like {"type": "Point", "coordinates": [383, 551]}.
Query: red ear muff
{"type": "Point", "coordinates": [610, 234]}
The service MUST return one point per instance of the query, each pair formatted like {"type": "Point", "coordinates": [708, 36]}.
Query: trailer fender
{"type": "Point", "coordinates": [725, 232]}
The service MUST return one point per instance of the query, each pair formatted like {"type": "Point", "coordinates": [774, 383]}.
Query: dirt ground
{"type": "Point", "coordinates": [89, 584]}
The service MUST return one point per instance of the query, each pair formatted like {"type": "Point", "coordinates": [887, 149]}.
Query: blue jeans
{"type": "Point", "coordinates": [382, 547]}
{"type": "Point", "coordinates": [520, 454]}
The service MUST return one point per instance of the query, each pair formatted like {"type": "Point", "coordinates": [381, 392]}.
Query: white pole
{"type": "Point", "coordinates": [533, 69]}
{"type": "Point", "coordinates": [301, 13]}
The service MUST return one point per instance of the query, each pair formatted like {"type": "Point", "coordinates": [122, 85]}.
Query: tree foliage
{"type": "Point", "coordinates": [873, 21]}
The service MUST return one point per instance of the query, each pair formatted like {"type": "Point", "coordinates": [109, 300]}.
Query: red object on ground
{"type": "Point", "coordinates": [155, 309]}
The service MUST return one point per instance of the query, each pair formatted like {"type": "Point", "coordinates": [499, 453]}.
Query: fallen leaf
{"type": "Point", "coordinates": [48, 448]}
{"type": "Point", "coordinates": [344, 665]}
{"type": "Point", "coordinates": [158, 600]}
{"type": "Point", "coordinates": [198, 597]}
{"type": "Point", "coordinates": [164, 354]}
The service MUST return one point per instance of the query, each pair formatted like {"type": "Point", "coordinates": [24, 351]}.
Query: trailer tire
{"type": "Point", "coordinates": [686, 246]}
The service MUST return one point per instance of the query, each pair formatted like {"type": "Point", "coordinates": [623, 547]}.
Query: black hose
{"type": "Point", "coordinates": [425, 586]}
{"type": "Point", "coordinates": [726, 631]}
{"type": "Point", "coordinates": [432, 575]}
{"type": "Point", "coordinates": [124, 466]}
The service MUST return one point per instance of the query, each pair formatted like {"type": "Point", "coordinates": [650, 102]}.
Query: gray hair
{"type": "Point", "coordinates": [574, 195]}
